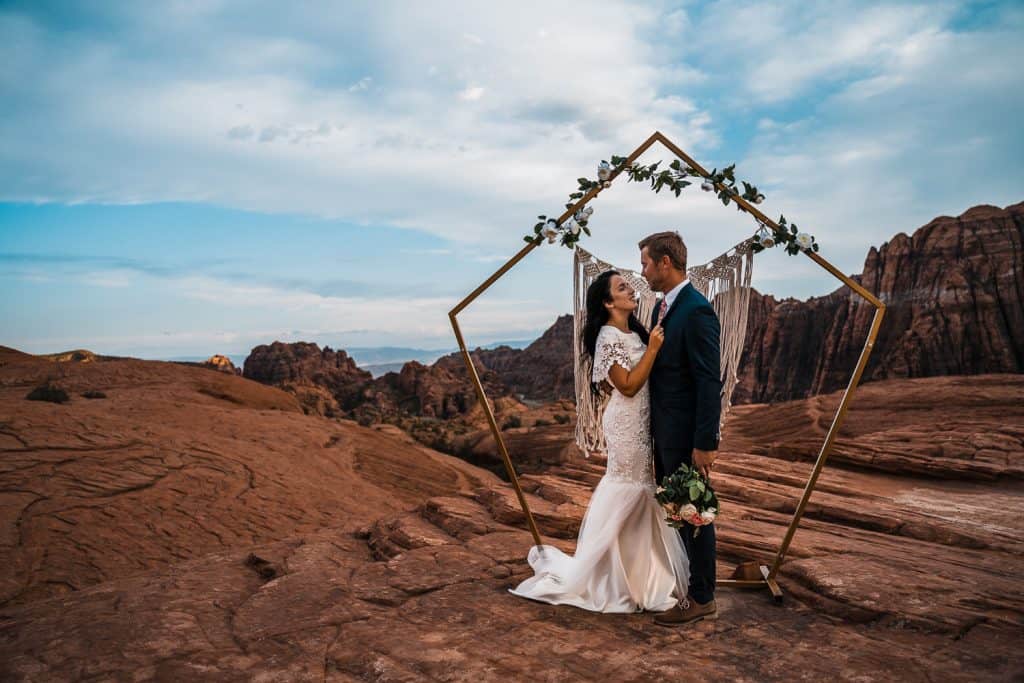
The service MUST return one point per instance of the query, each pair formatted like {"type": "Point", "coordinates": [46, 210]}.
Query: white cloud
{"type": "Point", "coordinates": [361, 84]}
{"type": "Point", "coordinates": [857, 120]}
{"type": "Point", "coordinates": [531, 112]}
{"type": "Point", "coordinates": [472, 93]}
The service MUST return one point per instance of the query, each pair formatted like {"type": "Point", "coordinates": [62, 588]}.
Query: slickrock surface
{"type": "Point", "coordinates": [178, 462]}
{"type": "Point", "coordinates": [966, 428]}
{"type": "Point", "coordinates": [889, 576]}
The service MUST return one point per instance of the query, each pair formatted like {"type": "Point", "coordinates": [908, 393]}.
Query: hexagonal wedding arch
{"type": "Point", "coordinates": [750, 574]}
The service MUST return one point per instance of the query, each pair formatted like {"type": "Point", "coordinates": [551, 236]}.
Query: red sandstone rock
{"type": "Point", "coordinates": [302, 364]}
{"type": "Point", "coordinates": [889, 576]}
{"type": "Point", "coordinates": [178, 462]}
{"type": "Point", "coordinates": [221, 364]}
{"type": "Point", "coordinates": [954, 293]}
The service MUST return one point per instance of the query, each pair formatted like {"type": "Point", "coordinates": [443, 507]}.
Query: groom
{"type": "Point", "coordinates": [686, 399]}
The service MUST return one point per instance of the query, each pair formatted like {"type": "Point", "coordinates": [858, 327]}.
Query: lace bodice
{"type": "Point", "coordinates": [627, 419]}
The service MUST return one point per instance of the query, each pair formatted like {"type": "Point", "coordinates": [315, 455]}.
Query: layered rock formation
{"type": "Point", "coordinates": [326, 382]}
{"type": "Point", "coordinates": [954, 293]}
{"type": "Point", "coordinates": [543, 370]}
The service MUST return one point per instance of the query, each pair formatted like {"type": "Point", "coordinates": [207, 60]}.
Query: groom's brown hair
{"type": "Point", "coordinates": [666, 244]}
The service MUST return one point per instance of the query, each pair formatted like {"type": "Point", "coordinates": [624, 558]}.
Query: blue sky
{"type": "Point", "coordinates": [193, 178]}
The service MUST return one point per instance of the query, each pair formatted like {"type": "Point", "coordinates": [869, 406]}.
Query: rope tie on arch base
{"type": "Point", "coordinates": [725, 281]}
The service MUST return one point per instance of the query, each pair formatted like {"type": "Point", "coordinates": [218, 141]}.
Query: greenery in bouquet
{"type": "Point", "coordinates": [687, 498]}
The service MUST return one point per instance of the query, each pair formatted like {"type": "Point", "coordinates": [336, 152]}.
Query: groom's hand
{"type": "Point", "coordinates": [703, 461]}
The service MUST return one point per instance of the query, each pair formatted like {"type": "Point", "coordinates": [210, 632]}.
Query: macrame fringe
{"type": "Point", "coordinates": [724, 281]}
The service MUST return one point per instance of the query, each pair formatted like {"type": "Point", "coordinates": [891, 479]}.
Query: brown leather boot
{"type": "Point", "coordinates": [687, 612]}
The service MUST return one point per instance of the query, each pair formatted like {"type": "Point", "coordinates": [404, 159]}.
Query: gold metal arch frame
{"type": "Point", "coordinates": [767, 578]}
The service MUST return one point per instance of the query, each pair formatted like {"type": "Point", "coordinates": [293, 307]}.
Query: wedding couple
{"type": "Point", "coordinates": [663, 411]}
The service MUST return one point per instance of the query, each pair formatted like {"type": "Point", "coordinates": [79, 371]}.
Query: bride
{"type": "Point", "coordinates": [627, 558]}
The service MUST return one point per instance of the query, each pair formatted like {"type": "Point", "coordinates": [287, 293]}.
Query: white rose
{"type": "Point", "coordinates": [551, 232]}
{"type": "Point", "coordinates": [572, 226]}
{"type": "Point", "coordinates": [688, 510]}
{"type": "Point", "coordinates": [588, 211]}
{"type": "Point", "coordinates": [767, 241]}
{"type": "Point", "coordinates": [707, 186]}
{"type": "Point", "coordinates": [804, 241]}
{"type": "Point", "coordinates": [604, 170]}
{"type": "Point", "coordinates": [708, 516]}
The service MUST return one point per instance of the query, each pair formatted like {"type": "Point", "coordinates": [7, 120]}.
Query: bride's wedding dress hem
{"type": "Point", "coordinates": [627, 558]}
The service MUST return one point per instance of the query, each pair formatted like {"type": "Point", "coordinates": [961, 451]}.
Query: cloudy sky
{"type": "Point", "coordinates": [196, 177]}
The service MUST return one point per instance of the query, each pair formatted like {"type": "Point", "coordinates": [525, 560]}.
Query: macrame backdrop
{"type": "Point", "coordinates": [724, 281]}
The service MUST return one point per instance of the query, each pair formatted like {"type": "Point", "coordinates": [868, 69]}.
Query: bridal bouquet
{"type": "Point", "coordinates": [688, 499]}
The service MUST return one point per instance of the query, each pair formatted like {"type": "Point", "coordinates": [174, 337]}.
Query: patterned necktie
{"type": "Point", "coordinates": [663, 309]}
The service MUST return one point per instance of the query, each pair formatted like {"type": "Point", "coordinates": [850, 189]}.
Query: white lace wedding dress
{"type": "Point", "coordinates": [627, 558]}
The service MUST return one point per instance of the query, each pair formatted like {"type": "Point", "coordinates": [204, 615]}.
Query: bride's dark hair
{"type": "Point", "coordinates": [599, 292]}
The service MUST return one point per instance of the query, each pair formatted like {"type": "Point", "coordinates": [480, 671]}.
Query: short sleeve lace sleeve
{"type": "Point", "coordinates": [610, 350]}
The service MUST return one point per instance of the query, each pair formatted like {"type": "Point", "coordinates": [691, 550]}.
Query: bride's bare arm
{"type": "Point", "coordinates": [630, 381]}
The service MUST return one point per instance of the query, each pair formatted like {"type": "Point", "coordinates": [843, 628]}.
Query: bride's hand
{"type": "Point", "coordinates": [657, 338]}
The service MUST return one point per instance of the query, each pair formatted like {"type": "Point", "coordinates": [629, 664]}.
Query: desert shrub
{"type": "Point", "coordinates": [512, 421]}
{"type": "Point", "coordinates": [48, 392]}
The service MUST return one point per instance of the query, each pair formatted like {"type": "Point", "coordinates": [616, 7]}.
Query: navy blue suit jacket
{"type": "Point", "coordinates": [686, 382]}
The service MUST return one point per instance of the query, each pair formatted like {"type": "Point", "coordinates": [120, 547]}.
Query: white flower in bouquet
{"type": "Point", "coordinates": [804, 241]}
{"type": "Point", "coordinates": [572, 226]}
{"type": "Point", "coordinates": [588, 211]}
{"type": "Point", "coordinates": [688, 510]}
{"type": "Point", "coordinates": [604, 171]}
{"type": "Point", "coordinates": [707, 186]}
{"type": "Point", "coordinates": [766, 240]}
{"type": "Point", "coordinates": [707, 516]}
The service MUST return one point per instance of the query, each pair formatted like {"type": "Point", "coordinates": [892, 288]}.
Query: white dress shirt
{"type": "Point", "coordinates": [671, 296]}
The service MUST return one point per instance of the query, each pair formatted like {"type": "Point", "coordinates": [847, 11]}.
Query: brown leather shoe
{"type": "Point", "coordinates": [687, 612]}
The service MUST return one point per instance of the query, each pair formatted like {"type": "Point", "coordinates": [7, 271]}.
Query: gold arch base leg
{"type": "Point", "coordinates": [748, 574]}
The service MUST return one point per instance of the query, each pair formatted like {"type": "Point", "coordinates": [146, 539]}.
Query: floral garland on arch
{"type": "Point", "coordinates": [675, 178]}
